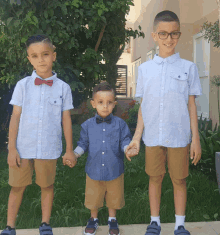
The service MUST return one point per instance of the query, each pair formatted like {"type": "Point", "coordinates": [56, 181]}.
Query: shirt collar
{"type": "Point", "coordinates": [110, 116]}
{"type": "Point", "coordinates": [171, 59]}
{"type": "Point", "coordinates": [35, 75]}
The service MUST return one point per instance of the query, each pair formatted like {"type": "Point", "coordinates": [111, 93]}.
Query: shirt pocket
{"type": "Point", "coordinates": [115, 141]}
{"type": "Point", "coordinates": [55, 105]}
{"type": "Point", "coordinates": [178, 81]}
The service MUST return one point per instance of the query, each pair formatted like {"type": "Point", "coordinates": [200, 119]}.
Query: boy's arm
{"type": "Point", "coordinates": [67, 129]}
{"type": "Point", "coordinates": [135, 143]}
{"type": "Point", "coordinates": [13, 156]}
{"type": "Point", "coordinates": [195, 151]}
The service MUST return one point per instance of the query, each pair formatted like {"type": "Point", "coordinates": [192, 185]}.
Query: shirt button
{"type": "Point", "coordinates": [103, 129]}
{"type": "Point", "coordinates": [103, 152]}
{"type": "Point", "coordinates": [102, 164]}
{"type": "Point", "coordinates": [103, 141]}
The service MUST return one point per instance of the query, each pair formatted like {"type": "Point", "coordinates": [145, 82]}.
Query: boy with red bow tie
{"type": "Point", "coordinates": [40, 102]}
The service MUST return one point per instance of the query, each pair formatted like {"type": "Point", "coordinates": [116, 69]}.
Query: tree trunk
{"type": "Point", "coordinates": [218, 2]}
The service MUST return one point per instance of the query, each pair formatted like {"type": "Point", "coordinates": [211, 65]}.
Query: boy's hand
{"type": "Point", "coordinates": [69, 159]}
{"type": "Point", "coordinates": [14, 159]}
{"type": "Point", "coordinates": [195, 151]}
{"type": "Point", "coordinates": [132, 149]}
{"type": "Point", "coordinates": [131, 153]}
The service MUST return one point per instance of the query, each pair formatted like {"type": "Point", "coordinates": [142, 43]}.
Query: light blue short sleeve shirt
{"type": "Point", "coordinates": [40, 131]}
{"type": "Point", "coordinates": [165, 86]}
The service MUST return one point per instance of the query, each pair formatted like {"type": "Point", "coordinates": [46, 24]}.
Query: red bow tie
{"type": "Point", "coordinates": [39, 81]}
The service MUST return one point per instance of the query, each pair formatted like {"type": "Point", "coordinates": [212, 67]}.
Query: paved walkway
{"type": "Point", "coordinates": [200, 228]}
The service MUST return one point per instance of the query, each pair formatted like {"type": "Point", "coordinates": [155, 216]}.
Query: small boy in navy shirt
{"type": "Point", "coordinates": [106, 138]}
{"type": "Point", "coordinates": [41, 102]}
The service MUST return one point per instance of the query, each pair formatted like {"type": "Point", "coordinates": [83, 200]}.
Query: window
{"type": "Point", "coordinates": [157, 50]}
{"type": "Point", "coordinates": [202, 60]}
{"type": "Point", "coordinates": [150, 55]}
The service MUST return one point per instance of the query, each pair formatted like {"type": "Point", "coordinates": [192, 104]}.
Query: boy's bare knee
{"type": "Point", "coordinates": [47, 187]}
{"type": "Point", "coordinates": [157, 179]}
{"type": "Point", "coordinates": [18, 189]}
{"type": "Point", "coordinates": [178, 181]}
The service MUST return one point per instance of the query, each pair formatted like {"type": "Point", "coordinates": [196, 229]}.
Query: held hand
{"type": "Point", "coordinates": [132, 149]}
{"type": "Point", "coordinates": [195, 151]}
{"type": "Point", "coordinates": [69, 159]}
{"type": "Point", "coordinates": [14, 159]}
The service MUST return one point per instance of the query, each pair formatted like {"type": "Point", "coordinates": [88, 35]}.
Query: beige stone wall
{"type": "Point", "coordinates": [192, 15]}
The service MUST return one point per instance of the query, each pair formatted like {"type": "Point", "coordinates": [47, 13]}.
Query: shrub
{"type": "Point", "coordinates": [210, 144]}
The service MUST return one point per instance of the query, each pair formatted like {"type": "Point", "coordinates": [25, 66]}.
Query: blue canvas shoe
{"type": "Point", "coordinates": [181, 231]}
{"type": "Point", "coordinates": [8, 231]}
{"type": "Point", "coordinates": [153, 229]}
{"type": "Point", "coordinates": [91, 227]}
{"type": "Point", "coordinates": [45, 229]}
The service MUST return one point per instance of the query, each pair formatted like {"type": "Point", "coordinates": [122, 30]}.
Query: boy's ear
{"type": "Point", "coordinates": [116, 102]}
{"type": "Point", "coordinates": [54, 56]}
{"type": "Point", "coordinates": [92, 103]}
{"type": "Point", "coordinates": [154, 36]}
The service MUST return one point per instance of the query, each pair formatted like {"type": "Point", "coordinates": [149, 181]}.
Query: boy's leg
{"type": "Point", "coordinates": [178, 164]}
{"type": "Point", "coordinates": [47, 195]}
{"type": "Point", "coordinates": [45, 178]}
{"type": "Point", "coordinates": [14, 202]}
{"type": "Point", "coordinates": [180, 195]}
{"type": "Point", "coordinates": [94, 213]}
{"type": "Point", "coordinates": [155, 184]}
{"type": "Point", "coordinates": [155, 159]}
{"type": "Point", "coordinates": [114, 201]}
{"type": "Point", "coordinates": [19, 178]}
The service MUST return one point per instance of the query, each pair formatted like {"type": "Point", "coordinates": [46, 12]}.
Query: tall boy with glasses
{"type": "Point", "coordinates": [167, 84]}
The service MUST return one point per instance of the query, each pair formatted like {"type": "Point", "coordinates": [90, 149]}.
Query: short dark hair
{"type": "Point", "coordinates": [103, 86]}
{"type": "Point", "coordinates": [39, 38]}
{"type": "Point", "coordinates": [165, 16]}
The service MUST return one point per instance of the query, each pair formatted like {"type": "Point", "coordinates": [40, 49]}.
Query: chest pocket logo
{"type": "Point", "coordinates": [178, 81]}
{"type": "Point", "coordinates": [55, 105]}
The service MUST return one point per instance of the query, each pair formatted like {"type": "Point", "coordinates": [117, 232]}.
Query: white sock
{"type": "Point", "coordinates": [157, 219]}
{"type": "Point", "coordinates": [180, 220]}
{"type": "Point", "coordinates": [95, 219]}
{"type": "Point", "coordinates": [110, 218]}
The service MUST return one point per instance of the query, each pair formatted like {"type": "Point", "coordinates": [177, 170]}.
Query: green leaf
{"type": "Point", "coordinates": [9, 20]}
{"type": "Point", "coordinates": [35, 19]}
{"type": "Point", "coordinates": [46, 14]}
{"type": "Point", "coordinates": [215, 215]}
{"type": "Point", "coordinates": [100, 12]}
{"type": "Point", "coordinates": [206, 216]}
{"type": "Point", "coordinates": [61, 24]}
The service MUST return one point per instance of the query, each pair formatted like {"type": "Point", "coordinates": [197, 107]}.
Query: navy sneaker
{"type": "Point", "coordinates": [91, 226]}
{"type": "Point", "coordinates": [153, 229]}
{"type": "Point", "coordinates": [113, 227]}
{"type": "Point", "coordinates": [8, 231]}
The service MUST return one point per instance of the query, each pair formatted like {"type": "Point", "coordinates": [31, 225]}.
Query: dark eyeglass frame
{"type": "Point", "coordinates": [171, 35]}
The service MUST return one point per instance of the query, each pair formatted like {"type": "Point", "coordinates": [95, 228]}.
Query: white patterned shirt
{"type": "Point", "coordinates": [165, 86]}
{"type": "Point", "coordinates": [40, 131]}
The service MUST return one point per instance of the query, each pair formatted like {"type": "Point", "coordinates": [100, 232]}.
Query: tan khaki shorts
{"type": "Point", "coordinates": [177, 159]}
{"type": "Point", "coordinates": [112, 191]}
{"type": "Point", "coordinates": [22, 176]}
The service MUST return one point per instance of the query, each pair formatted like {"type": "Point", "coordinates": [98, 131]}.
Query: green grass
{"type": "Point", "coordinates": [68, 208]}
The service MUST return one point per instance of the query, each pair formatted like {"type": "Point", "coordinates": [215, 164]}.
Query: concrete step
{"type": "Point", "coordinates": [199, 228]}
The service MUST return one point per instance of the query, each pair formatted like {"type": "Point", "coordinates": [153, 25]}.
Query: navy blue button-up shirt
{"type": "Point", "coordinates": [105, 144]}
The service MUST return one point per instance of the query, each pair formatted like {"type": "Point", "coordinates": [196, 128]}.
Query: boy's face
{"type": "Point", "coordinates": [104, 102]}
{"type": "Point", "coordinates": [166, 46]}
{"type": "Point", "coordinates": [41, 56]}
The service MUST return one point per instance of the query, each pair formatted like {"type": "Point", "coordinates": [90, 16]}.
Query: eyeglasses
{"type": "Point", "coordinates": [165, 35]}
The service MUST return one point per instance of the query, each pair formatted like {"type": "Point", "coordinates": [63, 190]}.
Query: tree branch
{"type": "Point", "coordinates": [100, 38]}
